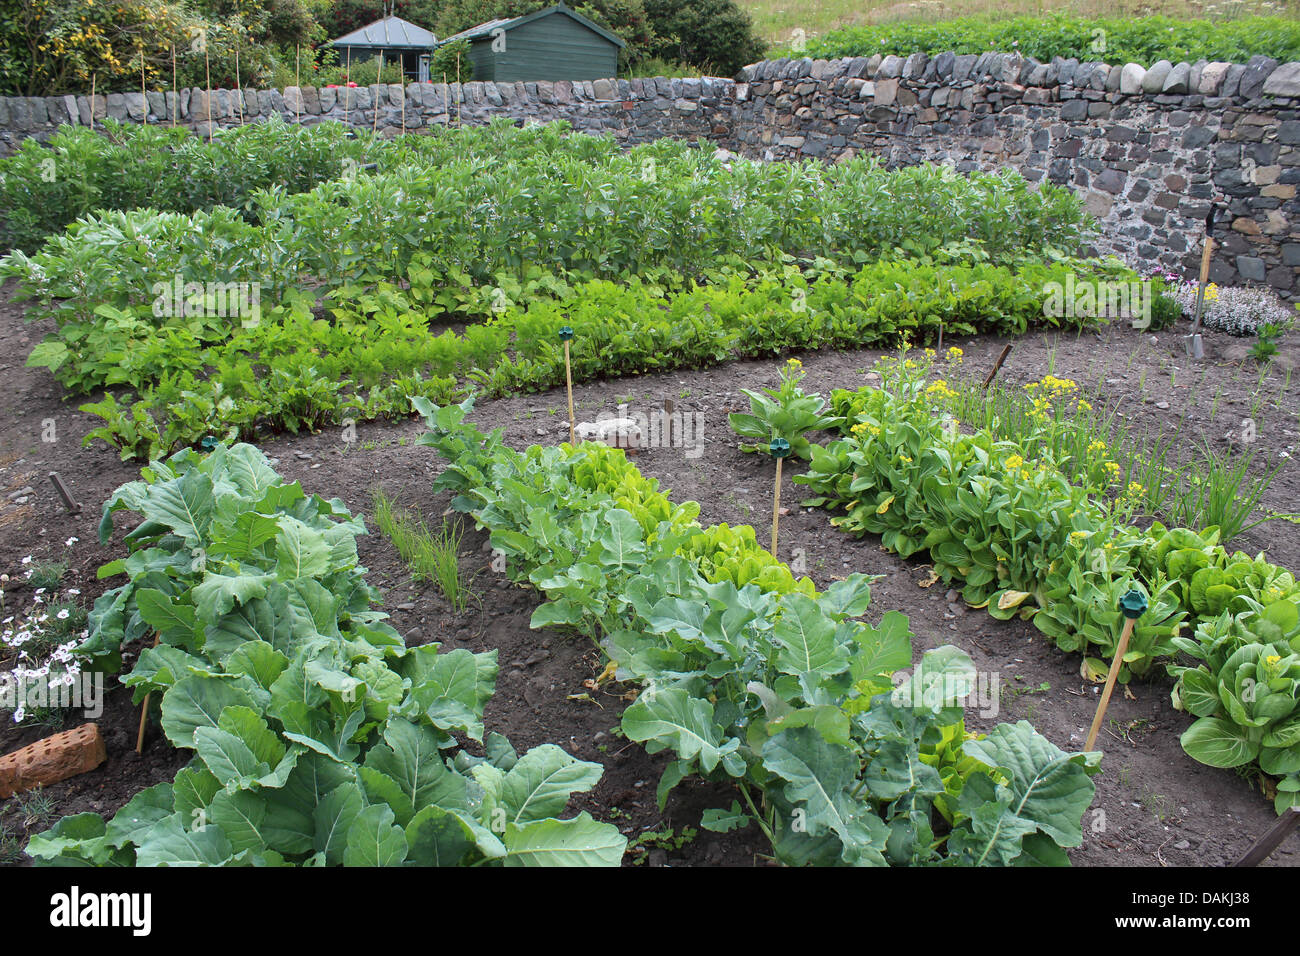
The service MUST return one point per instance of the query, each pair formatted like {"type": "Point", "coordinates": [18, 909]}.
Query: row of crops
{"type": "Point", "coordinates": [1027, 532]}
{"type": "Point", "coordinates": [317, 298]}
{"type": "Point", "coordinates": [319, 738]}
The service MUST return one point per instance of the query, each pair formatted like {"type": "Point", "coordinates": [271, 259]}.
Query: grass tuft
{"type": "Point", "coordinates": [431, 556]}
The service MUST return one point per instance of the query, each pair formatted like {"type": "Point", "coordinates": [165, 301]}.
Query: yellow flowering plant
{"type": "Point", "coordinates": [783, 412]}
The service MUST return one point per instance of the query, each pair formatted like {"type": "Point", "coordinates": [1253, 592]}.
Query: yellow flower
{"type": "Point", "coordinates": [794, 363]}
{"type": "Point", "coordinates": [1271, 659]}
{"type": "Point", "coordinates": [955, 354]}
{"type": "Point", "coordinates": [1077, 536]}
{"type": "Point", "coordinates": [1015, 461]}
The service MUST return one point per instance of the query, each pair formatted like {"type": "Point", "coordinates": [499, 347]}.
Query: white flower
{"type": "Point", "coordinates": [62, 615]}
{"type": "Point", "coordinates": [70, 542]}
{"type": "Point", "coordinates": [73, 592]}
{"type": "Point", "coordinates": [27, 560]}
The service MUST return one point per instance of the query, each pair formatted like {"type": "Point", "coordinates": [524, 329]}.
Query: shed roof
{"type": "Point", "coordinates": [486, 29]}
{"type": "Point", "coordinates": [390, 33]}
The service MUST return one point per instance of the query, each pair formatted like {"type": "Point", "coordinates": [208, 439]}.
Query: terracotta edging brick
{"type": "Point", "coordinates": [53, 759]}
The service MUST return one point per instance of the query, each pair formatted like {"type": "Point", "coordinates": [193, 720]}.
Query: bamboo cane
{"type": "Point", "coordinates": [1133, 605]}
{"type": "Point", "coordinates": [207, 69]}
{"type": "Point", "coordinates": [566, 334]}
{"type": "Point", "coordinates": [144, 712]}
{"type": "Point", "coordinates": [374, 129]}
{"type": "Point", "coordinates": [779, 449]}
{"type": "Point", "coordinates": [239, 89]}
{"type": "Point", "coordinates": [176, 97]}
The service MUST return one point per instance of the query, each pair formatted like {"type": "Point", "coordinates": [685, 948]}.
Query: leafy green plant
{"type": "Point", "coordinates": [319, 738]}
{"type": "Point", "coordinates": [1023, 541]}
{"type": "Point", "coordinates": [1243, 690]}
{"type": "Point", "coordinates": [784, 694]}
{"type": "Point", "coordinates": [782, 412]}
{"type": "Point", "coordinates": [1138, 39]}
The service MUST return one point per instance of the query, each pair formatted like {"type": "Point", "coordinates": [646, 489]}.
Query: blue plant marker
{"type": "Point", "coordinates": [1133, 604]}
{"type": "Point", "coordinates": [566, 333]}
{"type": "Point", "coordinates": [209, 442]}
{"type": "Point", "coordinates": [779, 448]}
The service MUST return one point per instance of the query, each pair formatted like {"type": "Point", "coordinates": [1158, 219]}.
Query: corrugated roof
{"type": "Point", "coordinates": [390, 32]}
{"type": "Point", "coordinates": [485, 29]}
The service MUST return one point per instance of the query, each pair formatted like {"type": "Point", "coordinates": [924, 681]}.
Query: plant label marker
{"type": "Point", "coordinates": [779, 449]}
{"type": "Point", "coordinates": [1271, 840]}
{"type": "Point", "coordinates": [1133, 605]}
{"type": "Point", "coordinates": [1006, 350]}
{"type": "Point", "coordinates": [71, 506]}
{"type": "Point", "coordinates": [566, 334]}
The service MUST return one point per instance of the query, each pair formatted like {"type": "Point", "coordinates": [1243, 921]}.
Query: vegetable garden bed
{"type": "Point", "coordinates": [1159, 804]}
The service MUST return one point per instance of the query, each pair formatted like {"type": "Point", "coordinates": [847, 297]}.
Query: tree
{"type": "Point", "coordinates": [714, 35]}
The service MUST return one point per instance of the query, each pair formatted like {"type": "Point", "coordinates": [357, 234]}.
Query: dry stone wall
{"type": "Point", "coordinates": [1148, 149]}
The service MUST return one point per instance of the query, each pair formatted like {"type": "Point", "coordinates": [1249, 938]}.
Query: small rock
{"type": "Point", "coordinates": [1162, 405]}
{"type": "Point", "coordinates": [303, 455]}
{"type": "Point", "coordinates": [951, 596]}
{"type": "Point", "coordinates": [408, 606]}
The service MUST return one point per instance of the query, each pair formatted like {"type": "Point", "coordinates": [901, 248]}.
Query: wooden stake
{"type": "Point", "coordinates": [297, 78]}
{"type": "Point", "coordinates": [778, 448]}
{"type": "Point", "coordinates": [1271, 840]}
{"type": "Point", "coordinates": [239, 89]}
{"type": "Point", "coordinates": [176, 96]}
{"type": "Point", "coordinates": [144, 94]}
{"type": "Point", "coordinates": [144, 712]}
{"type": "Point", "coordinates": [403, 84]}
{"type": "Point", "coordinates": [776, 506]}
{"type": "Point", "coordinates": [207, 69]}
{"type": "Point", "coordinates": [1133, 605]}
{"type": "Point", "coordinates": [378, 86]}
{"type": "Point", "coordinates": [92, 101]}
{"type": "Point", "coordinates": [568, 384]}
{"type": "Point", "coordinates": [1006, 350]}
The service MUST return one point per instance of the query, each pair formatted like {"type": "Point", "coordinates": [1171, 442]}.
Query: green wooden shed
{"type": "Point", "coordinates": [552, 44]}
